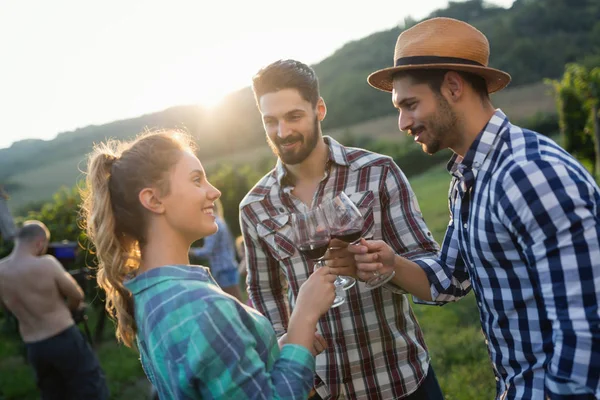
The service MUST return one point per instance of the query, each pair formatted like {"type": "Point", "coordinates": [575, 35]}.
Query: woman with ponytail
{"type": "Point", "coordinates": [145, 203]}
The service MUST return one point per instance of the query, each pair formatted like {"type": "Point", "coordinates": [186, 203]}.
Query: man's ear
{"type": "Point", "coordinates": [151, 201]}
{"type": "Point", "coordinates": [321, 109]}
{"type": "Point", "coordinates": [453, 86]}
{"type": "Point", "coordinates": [41, 247]}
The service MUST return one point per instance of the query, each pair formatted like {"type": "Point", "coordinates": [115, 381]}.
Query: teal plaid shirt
{"type": "Point", "coordinates": [196, 342]}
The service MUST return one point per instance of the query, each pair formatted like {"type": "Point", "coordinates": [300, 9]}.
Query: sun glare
{"type": "Point", "coordinates": [187, 80]}
{"type": "Point", "coordinates": [211, 97]}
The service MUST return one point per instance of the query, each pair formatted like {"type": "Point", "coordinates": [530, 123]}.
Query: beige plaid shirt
{"type": "Point", "coordinates": [375, 345]}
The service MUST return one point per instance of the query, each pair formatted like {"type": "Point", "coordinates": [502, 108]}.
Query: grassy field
{"type": "Point", "coordinates": [38, 184]}
{"type": "Point", "coordinates": [522, 102]}
{"type": "Point", "coordinates": [431, 189]}
{"type": "Point", "coordinates": [518, 103]}
{"type": "Point", "coordinates": [41, 183]}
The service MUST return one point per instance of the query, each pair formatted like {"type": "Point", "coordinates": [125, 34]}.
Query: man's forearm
{"type": "Point", "coordinates": [411, 277]}
{"type": "Point", "coordinates": [73, 302]}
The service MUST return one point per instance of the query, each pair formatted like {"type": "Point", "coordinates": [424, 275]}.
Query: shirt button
{"type": "Point", "coordinates": [465, 225]}
{"type": "Point", "coordinates": [497, 379]}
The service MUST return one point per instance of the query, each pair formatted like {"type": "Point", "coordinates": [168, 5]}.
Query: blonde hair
{"type": "Point", "coordinates": [114, 218]}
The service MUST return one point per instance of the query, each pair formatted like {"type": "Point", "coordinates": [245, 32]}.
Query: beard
{"type": "Point", "coordinates": [295, 156]}
{"type": "Point", "coordinates": [442, 124]}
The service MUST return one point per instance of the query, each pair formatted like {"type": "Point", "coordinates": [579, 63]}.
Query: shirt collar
{"type": "Point", "coordinates": [169, 272]}
{"type": "Point", "coordinates": [481, 147]}
{"type": "Point", "coordinates": [337, 154]}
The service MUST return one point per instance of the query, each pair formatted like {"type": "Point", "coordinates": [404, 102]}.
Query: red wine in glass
{"type": "Point", "coordinates": [313, 235]}
{"type": "Point", "coordinates": [348, 236]}
{"type": "Point", "coordinates": [314, 250]}
{"type": "Point", "coordinates": [346, 223]}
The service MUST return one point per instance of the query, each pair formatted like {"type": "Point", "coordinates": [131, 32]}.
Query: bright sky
{"type": "Point", "coordinates": [71, 63]}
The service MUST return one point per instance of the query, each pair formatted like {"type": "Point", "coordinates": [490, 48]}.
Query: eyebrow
{"type": "Point", "coordinates": [287, 114]}
{"type": "Point", "coordinates": [198, 172]}
{"type": "Point", "coordinates": [404, 101]}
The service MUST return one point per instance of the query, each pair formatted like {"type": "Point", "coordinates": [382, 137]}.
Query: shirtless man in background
{"type": "Point", "coordinates": [34, 287]}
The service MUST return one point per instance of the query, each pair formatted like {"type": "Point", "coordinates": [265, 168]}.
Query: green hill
{"type": "Point", "coordinates": [532, 40]}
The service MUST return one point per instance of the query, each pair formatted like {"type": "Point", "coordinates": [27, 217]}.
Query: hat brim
{"type": "Point", "coordinates": [495, 79]}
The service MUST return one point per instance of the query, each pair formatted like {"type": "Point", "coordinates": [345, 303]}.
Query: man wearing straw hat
{"type": "Point", "coordinates": [524, 218]}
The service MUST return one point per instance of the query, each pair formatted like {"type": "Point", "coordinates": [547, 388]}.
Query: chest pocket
{"type": "Point", "coordinates": [365, 201]}
{"type": "Point", "coordinates": [276, 233]}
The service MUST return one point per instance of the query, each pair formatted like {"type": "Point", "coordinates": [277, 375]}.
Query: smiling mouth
{"type": "Point", "coordinates": [289, 145]}
{"type": "Point", "coordinates": [209, 210]}
{"type": "Point", "coordinates": [416, 133]}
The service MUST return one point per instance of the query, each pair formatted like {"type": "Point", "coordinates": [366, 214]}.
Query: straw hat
{"type": "Point", "coordinates": [441, 43]}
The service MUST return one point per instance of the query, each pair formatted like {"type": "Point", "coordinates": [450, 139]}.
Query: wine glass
{"type": "Point", "coordinates": [346, 223]}
{"type": "Point", "coordinates": [313, 236]}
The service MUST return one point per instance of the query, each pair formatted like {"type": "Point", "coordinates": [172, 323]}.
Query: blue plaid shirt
{"type": "Point", "coordinates": [524, 234]}
{"type": "Point", "coordinates": [196, 342]}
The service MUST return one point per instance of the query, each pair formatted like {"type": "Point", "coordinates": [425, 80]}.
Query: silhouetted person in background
{"type": "Point", "coordinates": [220, 252]}
{"type": "Point", "coordinates": [240, 251]}
{"type": "Point", "coordinates": [7, 225]}
{"type": "Point", "coordinates": [34, 286]}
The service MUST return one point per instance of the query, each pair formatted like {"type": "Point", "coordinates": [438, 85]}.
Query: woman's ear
{"type": "Point", "coordinates": [151, 201]}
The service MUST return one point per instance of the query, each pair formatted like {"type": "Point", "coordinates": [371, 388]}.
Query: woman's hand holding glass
{"type": "Point", "coordinates": [317, 294]}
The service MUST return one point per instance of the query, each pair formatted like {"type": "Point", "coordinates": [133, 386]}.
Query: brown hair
{"type": "Point", "coordinates": [115, 220]}
{"type": "Point", "coordinates": [33, 230]}
{"type": "Point", "coordinates": [435, 77]}
{"type": "Point", "coordinates": [287, 74]}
